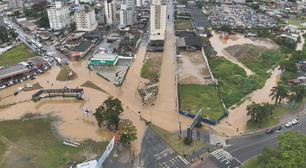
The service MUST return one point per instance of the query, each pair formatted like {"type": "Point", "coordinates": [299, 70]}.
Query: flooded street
{"type": "Point", "coordinates": [300, 45]}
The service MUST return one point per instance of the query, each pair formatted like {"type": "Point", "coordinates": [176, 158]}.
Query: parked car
{"type": "Point", "coordinates": [20, 88]}
{"type": "Point", "coordinates": [288, 124]}
{"type": "Point", "coordinates": [65, 87]}
{"type": "Point", "coordinates": [2, 87]}
{"type": "Point", "coordinates": [16, 93]}
{"type": "Point", "coordinates": [278, 129]}
{"type": "Point", "coordinates": [295, 121]}
{"type": "Point", "coordinates": [268, 131]}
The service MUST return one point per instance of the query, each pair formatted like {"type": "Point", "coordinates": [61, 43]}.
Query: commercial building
{"type": "Point", "coordinates": [127, 13]}
{"type": "Point", "coordinates": [158, 20]}
{"type": "Point", "coordinates": [16, 4]}
{"type": "Point", "coordinates": [38, 61]}
{"type": "Point", "coordinates": [104, 59]}
{"type": "Point", "coordinates": [85, 19]}
{"type": "Point", "coordinates": [80, 51]}
{"type": "Point", "coordinates": [58, 16]}
{"type": "Point", "coordinates": [110, 14]}
{"type": "Point", "coordinates": [12, 71]}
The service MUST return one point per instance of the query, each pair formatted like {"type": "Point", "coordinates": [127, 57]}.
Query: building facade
{"type": "Point", "coordinates": [85, 19]}
{"type": "Point", "coordinates": [110, 13]}
{"type": "Point", "coordinates": [58, 16]}
{"type": "Point", "coordinates": [127, 13]}
{"type": "Point", "coordinates": [16, 4]}
{"type": "Point", "coordinates": [158, 20]}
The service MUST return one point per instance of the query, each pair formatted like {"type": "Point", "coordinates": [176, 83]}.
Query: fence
{"type": "Point", "coordinates": [203, 119]}
{"type": "Point", "coordinates": [37, 94]}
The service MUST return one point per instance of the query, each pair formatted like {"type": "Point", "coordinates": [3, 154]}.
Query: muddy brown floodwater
{"type": "Point", "coordinates": [219, 45]}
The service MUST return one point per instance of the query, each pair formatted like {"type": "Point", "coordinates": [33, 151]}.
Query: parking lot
{"type": "Point", "coordinates": [109, 72]}
{"type": "Point", "coordinates": [253, 19]}
{"type": "Point", "coordinates": [218, 19]}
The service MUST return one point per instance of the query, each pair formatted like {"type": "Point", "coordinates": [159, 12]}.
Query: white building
{"type": "Point", "coordinates": [158, 20]}
{"type": "Point", "coordinates": [110, 12]}
{"type": "Point", "coordinates": [58, 16]}
{"type": "Point", "coordinates": [85, 19]}
{"type": "Point", "coordinates": [138, 2]}
{"type": "Point", "coordinates": [16, 4]}
{"type": "Point", "coordinates": [127, 13]}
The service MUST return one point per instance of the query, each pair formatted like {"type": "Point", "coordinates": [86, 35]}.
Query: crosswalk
{"type": "Point", "coordinates": [223, 156]}
{"type": "Point", "coordinates": [175, 162]}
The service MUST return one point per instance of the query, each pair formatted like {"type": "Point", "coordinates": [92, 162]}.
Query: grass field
{"type": "Point", "coordinates": [35, 87]}
{"type": "Point", "coordinates": [93, 86]}
{"type": "Point", "coordinates": [16, 55]}
{"type": "Point", "coordinates": [252, 163]}
{"type": "Point", "coordinates": [193, 97]}
{"type": "Point", "coordinates": [150, 70]}
{"type": "Point", "coordinates": [34, 143]}
{"type": "Point", "coordinates": [296, 22]}
{"type": "Point", "coordinates": [63, 75]}
{"type": "Point", "coordinates": [175, 142]}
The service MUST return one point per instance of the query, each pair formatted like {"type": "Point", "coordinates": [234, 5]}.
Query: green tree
{"type": "Point", "coordinates": [3, 34]}
{"type": "Point", "coordinates": [13, 33]}
{"type": "Point", "coordinates": [38, 6]}
{"type": "Point", "coordinates": [72, 26]}
{"type": "Point", "coordinates": [299, 93]}
{"type": "Point", "coordinates": [43, 21]}
{"type": "Point", "coordinates": [289, 152]}
{"type": "Point", "coordinates": [127, 131]}
{"type": "Point", "coordinates": [287, 76]}
{"type": "Point", "coordinates": [199, 4]}
{"type": "Point", "coordinates": [226, 28]}
{"type": "Point", "coordinates": [109, 112]}
{"type": "Point", "coordinates": [279, 92]}
{"type": "Point", "coordinates": [259, 112]}
{"type": "Point", "coordinates": [185, 2]}
{"type": "Point", "coordinates": [288, 66]}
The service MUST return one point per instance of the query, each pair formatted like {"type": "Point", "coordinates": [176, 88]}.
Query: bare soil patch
{"type": "Point", "coordinates": [240, 51]}
{"type": "Point", "coordinates": [35, 87]}
{"type": "Point", "coordinates": [192, 68]}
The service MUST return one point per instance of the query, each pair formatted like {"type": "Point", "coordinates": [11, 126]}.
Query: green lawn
{"type": "Point", "coordinates": [63, 75]}
{"type": "Point", "coordinates": [296, 22]}
{"type": "Point", "coordinates": [193, 97]}
{"type": "Point", "coordinates": [149, 72]}
{"type": "Point", "coordinates": [159, 166]}
{"type": "Point", "coordinates": [175, 142]}
{"type": "Point", "coordinates": [35, 144]}
{"type": "Point", "coordinates": [252, 163]}
{"type": "Point", "coordinates": [93, 86]}
{"type": "Point", "coordinates": [251, 124]}
{"type": "Point", "coordinates": [16, 55]}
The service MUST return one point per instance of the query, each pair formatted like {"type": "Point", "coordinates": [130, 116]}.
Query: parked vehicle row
{"type": "Point", "coordinates": [279, 128]}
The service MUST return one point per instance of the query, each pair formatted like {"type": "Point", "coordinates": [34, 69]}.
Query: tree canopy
{"type": "Point", "coordinates": [279, 92]}
{"type": "Point", "coordinates": [260, 112]}
{"type": "Point", "coordinates": [289, 152]}
{"type": "Point", "coordinates": [109, 112]}
{"type": "Point", "coordinates": [226, 28]}
{"type": "Point", "coordinates": [127, 131]}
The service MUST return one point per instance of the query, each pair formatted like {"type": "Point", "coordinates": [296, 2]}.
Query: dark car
{"type": "Point", "coordinates": [16, 93]}
{"type": "Point", "coordinates": [268, 131]}
{"type": "Point", "coordinates": [277, 129]}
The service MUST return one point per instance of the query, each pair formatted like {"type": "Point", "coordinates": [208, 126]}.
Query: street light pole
{"type": "Point", "coordinates": [180, 128]}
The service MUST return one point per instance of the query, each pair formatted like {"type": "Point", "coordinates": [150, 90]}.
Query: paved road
{"type": "Point", "coordinates": [244, 148]}
{"type": "Point", "coordinates": [154, 150]}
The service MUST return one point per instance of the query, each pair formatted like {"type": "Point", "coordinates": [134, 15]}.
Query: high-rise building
{"type": "Point", "coordinates": [110, 14]}
{"type": "Point", "coordinates": [85, 19]}
{"type": "Point", "coordinates": [127, 13]}
{"type": "Point", "coordinates": [158, 20]}
{"type": "Point", "coordinates": [16, 4]}
{"type": "Point", "coordinates": [58, 16]}
{"type": "Point", "coordinates": [138, 2]}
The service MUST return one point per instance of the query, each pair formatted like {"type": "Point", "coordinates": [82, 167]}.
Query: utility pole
{"type": "Point", "coordinates": [180, 128]}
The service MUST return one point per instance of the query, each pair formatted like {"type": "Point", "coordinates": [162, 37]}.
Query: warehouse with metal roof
{"type": "Point", "coordinates": [13, 70]}
{"type": "Point", "coordinates": [199, 19]}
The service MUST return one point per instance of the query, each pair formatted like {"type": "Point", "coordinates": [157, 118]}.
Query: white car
{"type": "Point", "coordinates": [288, 124]}
{"type": "Point", "coordinates": [2, 87]}
{"type": "Point", "coordinates": [28, 85]}
{"type": "Point", "coordinates": [65, 87]}
{"type": "Point", "coordinates": [20, 88]}
{"type": "Point", "coordinates": [295, 121]}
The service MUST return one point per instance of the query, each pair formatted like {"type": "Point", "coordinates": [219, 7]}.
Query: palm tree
{"type": "Point", "coordinates": [279, 92]}
{"type": "Point", "coordinates": [260, 112]}
{"type": "Point", "coordinates": [299, 93]}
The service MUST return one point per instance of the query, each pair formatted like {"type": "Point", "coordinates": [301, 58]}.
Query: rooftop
{"type": "Point", "coordinates": [28, 24]}
{"type": "Point", "coordinates": [37, 60]}
{"type": "Point", "coordinates": [83, 46]}
{"type": "Point", "coordinates": [199, 18]}
{"type": "Point", "coordinates": [105, 56]}
{"type": "Point", "coordinates": [12, 70]}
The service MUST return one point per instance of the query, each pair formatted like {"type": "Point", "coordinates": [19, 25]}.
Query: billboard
{"type": "Point", "coordinates": [108, 150]}
{"type": "Point", "coordinates": [75, 54]}
{"type": "Point", "coordinates": [80, 94]}
{"type": "Point", "coordinates": [292, 103]}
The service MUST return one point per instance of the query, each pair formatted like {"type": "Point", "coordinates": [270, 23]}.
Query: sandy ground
{"type": "Point", "coordinates": [219, 45]}
{"type": "Point", "coordinates": [192, 69]}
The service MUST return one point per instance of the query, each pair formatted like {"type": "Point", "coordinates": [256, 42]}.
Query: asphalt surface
{"type": "Point", "coordinates": [154, 150]}
{"type": "Point", "coordinates": [244, 148]}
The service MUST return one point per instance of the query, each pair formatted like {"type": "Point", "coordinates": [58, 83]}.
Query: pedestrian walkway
{"type": "Point", "coordinates": [292, 112]}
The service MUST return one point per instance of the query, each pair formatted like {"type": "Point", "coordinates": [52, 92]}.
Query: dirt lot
{"type": "Point", "coordinates": [240, 51]}
{"type": "Point", "coordinates": [182, 25]}
{"type": "Point", "coordinates": [151, 67]}
{"type": "Point", "coordinates": [192, 68]}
